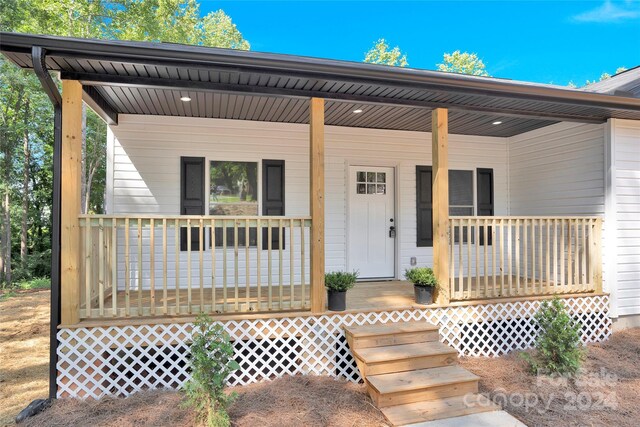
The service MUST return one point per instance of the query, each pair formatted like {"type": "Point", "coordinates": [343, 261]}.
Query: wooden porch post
{"type": "Point", "coordinates": [440, 148]}
{"type": "Point", "coordinates": [316, 194]}
{"type": "Point", "coordinates": [70, 206]}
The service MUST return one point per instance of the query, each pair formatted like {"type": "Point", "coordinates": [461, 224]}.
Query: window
{"type": "Point", "coordinates": [233, 188]}
{"type": "Point", "coordinates": [461, 200]}
{"type": "Point", "coordinates": [371, 182]}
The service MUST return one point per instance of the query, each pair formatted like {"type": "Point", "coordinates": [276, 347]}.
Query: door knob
{"type": "Point", "coordinates": [392, 231]}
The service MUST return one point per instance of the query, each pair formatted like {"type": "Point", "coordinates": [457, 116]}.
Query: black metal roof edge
{"type": "Point", "coordinates": [185, 55]}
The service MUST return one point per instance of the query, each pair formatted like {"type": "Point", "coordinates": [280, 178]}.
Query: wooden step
{"type": "Point", "coordinates": [422, 384]}
{"type": "Point", "coordinates": [449, 407]}
{"type": "Point", "coordinates": [404, 357]}
{"type": "Point", "coordinates": [384, 334]}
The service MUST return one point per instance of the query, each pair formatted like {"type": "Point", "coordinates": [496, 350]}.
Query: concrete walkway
{"type": "Point", "coordinates": [484, 419]}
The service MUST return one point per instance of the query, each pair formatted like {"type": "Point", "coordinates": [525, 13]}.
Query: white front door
{"type": "Point", "coordinates": [371, 221]}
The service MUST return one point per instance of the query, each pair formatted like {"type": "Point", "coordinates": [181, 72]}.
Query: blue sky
{"type": "Point", "coordinates": [541, 41]}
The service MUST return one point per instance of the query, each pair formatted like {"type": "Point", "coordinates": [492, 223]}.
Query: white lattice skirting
{"type": "Point", "coordinates": [94, 362]}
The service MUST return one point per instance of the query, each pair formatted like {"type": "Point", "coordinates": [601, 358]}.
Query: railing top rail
{"type": "Point", "coordinates": [526, 217]}
{"type": "Point", "coordinates": [196, 217]}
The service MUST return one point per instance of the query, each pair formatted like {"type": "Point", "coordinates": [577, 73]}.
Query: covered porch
{"type": "Point", "coordinates": [135, 263]}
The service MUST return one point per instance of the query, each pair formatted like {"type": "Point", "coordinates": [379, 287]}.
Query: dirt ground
{"type": "Point", "coordinates": [285, 402]}
{"type": "Point", "coordinates": [605, 394]}
{"type": "Point", "coordinates": [24, 352]}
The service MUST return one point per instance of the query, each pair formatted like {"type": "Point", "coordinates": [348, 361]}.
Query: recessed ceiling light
{"type": "Point", "coordinates": [185, 99]}
{"type": "Point", "coordinates": [358, 111]}
{"type": "Point", "coordinates": [497, 123]}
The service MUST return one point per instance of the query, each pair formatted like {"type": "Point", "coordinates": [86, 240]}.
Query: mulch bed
{"type": "Point", "coordinates": [605, 394]}
{"type": "Point", "coordinates": [290, 401]}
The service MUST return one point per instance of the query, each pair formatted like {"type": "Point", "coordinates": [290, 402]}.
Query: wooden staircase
{"type": "Point", "coordinates": [411, 376]}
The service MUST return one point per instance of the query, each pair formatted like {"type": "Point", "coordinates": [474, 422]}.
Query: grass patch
{"type": "Point", "coordinates": [25, 285]}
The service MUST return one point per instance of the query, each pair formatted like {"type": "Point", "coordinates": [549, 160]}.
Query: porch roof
{"type": "Point", "coordinates": [150, 78]}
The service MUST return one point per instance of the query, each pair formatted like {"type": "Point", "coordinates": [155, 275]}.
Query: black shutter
{"type": "Point", "coordinates": [272, 199]}
{"type": "Point", "coordinates": [192, 199]}
{"type": "Point", "coordinates": [485, 198]}
{"type": "Point", "coordinates": [424, 206]}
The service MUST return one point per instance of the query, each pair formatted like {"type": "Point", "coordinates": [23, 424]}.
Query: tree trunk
{"type": "Point", "coordinates": [7, 227]}
{"type": "Point", "coordinates": [25, 189]}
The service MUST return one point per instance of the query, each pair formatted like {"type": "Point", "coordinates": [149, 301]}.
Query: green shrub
{"type": "Point", "coordinates": [211, 363]}
{"type": "Point", "coordinates": [36, 283]}
{"type": "Point", "coordinates": [421, 276]}
{"type": "Point", "coordinates": [340, 281]}
{"type": "Point", "coordinates": [558, 349]}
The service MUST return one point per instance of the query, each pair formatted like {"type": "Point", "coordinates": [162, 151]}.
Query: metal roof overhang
{"type": "Point", "coordinates": [149, 78]}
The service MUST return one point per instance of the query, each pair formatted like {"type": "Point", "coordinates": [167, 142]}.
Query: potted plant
{"type": "Point", "coordinates": [423, 281]}
{"type": "Point", "coordinates": [337, 284]}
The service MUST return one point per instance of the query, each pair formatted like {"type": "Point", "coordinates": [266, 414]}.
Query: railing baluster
{"type": "Point", "coordinates": [114, 267]}
{"type": "Point", "coordinates": [281, 277]}
{"type": "Point", "coordinates": [569, 256]}
{"type": "Point", "coordinates": [101, 266]}
{"type": "Point", "coordinates": [534, 285]}
{"type": "Point", "coordinates": [583, 271]}
{"type": "Point", "coordinates": [476, 243]}
{"type": "Point", "coordinates": [452, 262]}
{"type": "Point", "coordinates": [517, 257]}
{"type": "Point", "coordinates": [291, 263]}
{"type": "Point", "coordinates": [270, 275]}
{"type": "Point", "coordinates": [236, 283]}
{"type": "Point", "coordinates": [509, 256]}
{"type": "Point", "coordinates": [152, 265]}
{"type": "Point", "coordinates": [563, 285]}
{"type": "Point", "coordinates": [189, 242]}
{"type": "Point", "coordinates": [472, 291]}
{"type": "Point", "coordinates": [225, 295]}
{"type": "Point", "coordinates": [259, 261]}
{"type": "Point", "coordinates": [485, 242]}
{"type": "Point", "coordinates": [540, 257]}
{"type": "Point", "coordinates": [576, 254]}
{"type": "Point", "coordinates": [213, 266]}
{"type": "Point", "coordinates": [247, 266]}
{"type": "Point", "coordinates": [303, 294]}
{"type": "Point", "coordinates": [176, 246]}
{"type": "Point", "coordinates": [461, 289]}
{"type": "Point", "coordinates": [140, 312]}
{"type": "Point", "coordinates": [201, 260]}
{"type": "Point", "coordinates": [127, 268]}
{"type": "Point", "coordinates": [555, 254]}
{"type": "Point", "coordinates": [164, 267]}
{"type": "Point", "coordinates": [493, 258]}
{"type": "Point", "coordinates": [87, 266]}
{"type": "Point", "coordinates": [525, 249]}
{"type": "Point", "coordinates": [548, 285]}
{"type": "Point", "coordinates": [502, 266]}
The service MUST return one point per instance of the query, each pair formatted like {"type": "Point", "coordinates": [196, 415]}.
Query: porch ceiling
{"type": "Point", "coordinates": [150, 78]}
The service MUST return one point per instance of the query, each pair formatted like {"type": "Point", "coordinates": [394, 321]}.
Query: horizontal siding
{"type": "Point", "coordinates": [557, 170]}
{"type": "Point", "coordinates": [145, 166]}
{"type": "Point", "coordinates": [626, 159]}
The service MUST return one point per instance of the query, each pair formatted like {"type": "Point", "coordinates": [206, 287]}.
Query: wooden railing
{"type": "Point", "coordinates": [145, 266]}
{"type": "Point", "coordinates": [495, 257]}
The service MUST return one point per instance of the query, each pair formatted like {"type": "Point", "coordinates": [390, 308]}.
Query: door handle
{"type": "Point", "coordinates": [392, 231]}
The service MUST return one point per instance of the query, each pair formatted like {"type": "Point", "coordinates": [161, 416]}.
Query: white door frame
{"type": "Point", "coordinates": [348, 163]}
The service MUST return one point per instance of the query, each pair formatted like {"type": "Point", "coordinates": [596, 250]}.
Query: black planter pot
{"type": "Point", "coordinates": [337, 300]}
{"type": "Point", "coordinates": [424, 294]}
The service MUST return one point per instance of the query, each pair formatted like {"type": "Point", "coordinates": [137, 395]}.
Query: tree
{"type": "Point", "coordinates": [26, 124]}
{"type": "Point", "coordinates": [605, 76]}
{"type": "Point", "coordinates": [463, 63]}
{"type": "Point", "coordinates": [380, 54]}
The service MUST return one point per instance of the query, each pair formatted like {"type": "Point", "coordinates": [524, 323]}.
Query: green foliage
{"type": "Point", "coordinates": [463, 63]}
{"type": "Point", "coordinates": [340, 281]}
{"type": "Point", "coordinates": [603, 76]}
{"type": "Point", "coordinates": [421, 276]}
{"type": "Point", "coordinates": [558, 347]}
{"type": "Point", "coordinates": [380, 54]}
{"type": "Point", "coordinates": [26, 112]}
{"type": "Point", "coordinates": [211, 363]}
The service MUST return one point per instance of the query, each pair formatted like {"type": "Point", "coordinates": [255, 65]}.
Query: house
{"type": "Point", "coordinates": [235, 180]}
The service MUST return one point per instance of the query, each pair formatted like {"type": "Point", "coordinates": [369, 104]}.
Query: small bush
{"type": "Point", "coordinates": [558, 347]}
{"type": "Point", "coordinates": [36, 283]}
{"type": "Point", "coordinates": [340, 281]}
{"type": "Point", "coordinates": [211, 363]}
{"type": "Point", "coordinates": [421, 276]}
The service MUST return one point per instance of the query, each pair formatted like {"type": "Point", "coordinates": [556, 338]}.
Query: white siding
{"type": "Point", "coordinates": [557, 170]}
{"type": "Point", "coordinates": [144, 174]}
{"type": "Point", "coordinates": [624, 210]}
